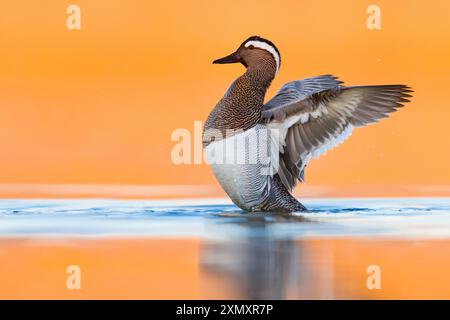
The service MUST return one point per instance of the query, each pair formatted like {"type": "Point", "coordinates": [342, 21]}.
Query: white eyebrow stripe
{"type": "Point", "coordinates": [267, 47]}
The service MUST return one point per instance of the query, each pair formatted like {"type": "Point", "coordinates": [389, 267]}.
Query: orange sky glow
{"type": "Point", "coordinates": [98, 105]}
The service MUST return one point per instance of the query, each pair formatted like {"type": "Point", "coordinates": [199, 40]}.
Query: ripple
{"type": "Point", "coordinates": [326, 217]}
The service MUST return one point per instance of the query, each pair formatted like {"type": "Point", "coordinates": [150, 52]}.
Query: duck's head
{"type": "Point", "coordinates": [254, 52]}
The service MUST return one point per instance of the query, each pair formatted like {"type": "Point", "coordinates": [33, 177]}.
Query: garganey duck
{"type": "Point", "coordinates": [258, 151]}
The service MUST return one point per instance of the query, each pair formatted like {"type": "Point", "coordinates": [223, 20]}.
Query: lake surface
{"type": "Point", "coordinates": [196, 249]}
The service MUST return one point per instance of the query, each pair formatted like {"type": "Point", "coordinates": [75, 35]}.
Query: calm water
{"type": "Point", "coordinates": [320, 254]}
{"type": "Point", "coordinates": [217, 219]}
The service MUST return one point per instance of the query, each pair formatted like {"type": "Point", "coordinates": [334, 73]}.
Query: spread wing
{"type": "Point", "coordinates": [315, 114]}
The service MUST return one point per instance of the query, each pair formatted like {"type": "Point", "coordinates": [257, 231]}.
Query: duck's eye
{"type": "Point", "coordinates": [251, 47]}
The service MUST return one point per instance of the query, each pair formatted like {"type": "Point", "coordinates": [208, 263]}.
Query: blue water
{"type": "Point", "coordinates": [257, 256]}
{"type": "Point", "coordinates": [218, 219]}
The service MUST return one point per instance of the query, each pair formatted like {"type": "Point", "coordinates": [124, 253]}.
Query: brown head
{"type": "Point", "coordinates": [255, 52]}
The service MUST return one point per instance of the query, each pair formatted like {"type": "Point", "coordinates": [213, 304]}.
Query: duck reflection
{"type": "Point", "coordinates": [260, 266]}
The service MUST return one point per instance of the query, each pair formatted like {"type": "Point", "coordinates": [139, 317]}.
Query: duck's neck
{"type": "Point", "coordinates": [240, 107]}
{"type": "Point", "coordinates": [252, 85]}
{"type": "Point", "coordinates": [260, 77]}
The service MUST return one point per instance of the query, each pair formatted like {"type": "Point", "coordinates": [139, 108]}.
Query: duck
{"type": "Point", "coordinates": [258, 150]}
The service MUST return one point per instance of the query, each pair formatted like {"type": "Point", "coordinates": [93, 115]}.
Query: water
{"type": "Point", "coordinates": [217, 219]}
{"type": "Point", "coordinates": [197, 249]}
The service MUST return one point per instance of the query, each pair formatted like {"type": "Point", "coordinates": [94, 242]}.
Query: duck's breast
{"type": "Point", "coordinates": [241, 164]}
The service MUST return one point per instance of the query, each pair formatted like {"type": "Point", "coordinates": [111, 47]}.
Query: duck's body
{"type": "Point", "coordinates": [266, 146]}
{"type": "Point", "coordinates": [241, 114]}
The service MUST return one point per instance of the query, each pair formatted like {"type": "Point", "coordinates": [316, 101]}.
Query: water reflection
{"type": "Point", "coordinates": [261, 266]}
{"type": "Point", "coordinates": [174, 251]}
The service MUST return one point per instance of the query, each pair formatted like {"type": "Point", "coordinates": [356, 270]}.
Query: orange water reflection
{"type": "Point", "coordinates": [152, 268]}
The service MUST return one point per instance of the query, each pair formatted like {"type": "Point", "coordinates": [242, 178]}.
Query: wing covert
{"type": "Point", "coordinates": [316, 114]}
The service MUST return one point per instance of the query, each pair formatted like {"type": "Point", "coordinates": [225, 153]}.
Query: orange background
{"type": "Point", "coordinates": [176, 269]}
{"type": "Point", "coordinates": [98, 105]}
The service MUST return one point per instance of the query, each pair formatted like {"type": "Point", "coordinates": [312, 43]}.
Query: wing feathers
{"type": "Point", "coordinates": [320, 113]}
{"type": "Point", "coordinates": [377, 102]}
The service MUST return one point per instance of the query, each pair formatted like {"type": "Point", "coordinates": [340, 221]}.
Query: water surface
{"type": "Point", "coordinates": [218, 219]}
{"type": "Point", "coordinates": [211, 249]}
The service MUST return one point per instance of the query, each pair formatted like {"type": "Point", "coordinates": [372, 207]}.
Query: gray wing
{"type": "Point", "coordinates": [285, 102]}
{"type": "Point", "coordinates": [315, 114]}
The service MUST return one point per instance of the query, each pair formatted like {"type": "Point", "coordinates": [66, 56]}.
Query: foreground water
{"type": "Point", "coordinates": [210, 249]}
{"type": "Point", "coordinates": [209, 219]}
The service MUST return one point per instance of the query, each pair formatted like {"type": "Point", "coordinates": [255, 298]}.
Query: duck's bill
{"type": "Point", "coordinates": [232, 58]}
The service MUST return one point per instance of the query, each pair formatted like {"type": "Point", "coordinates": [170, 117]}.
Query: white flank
{"type": "Point", "coordinates": [267, 47]}
{"type": "Point", "coordinates": [254, 147]}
